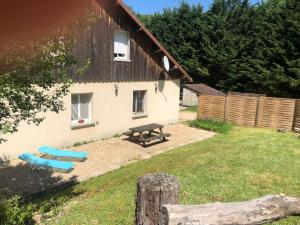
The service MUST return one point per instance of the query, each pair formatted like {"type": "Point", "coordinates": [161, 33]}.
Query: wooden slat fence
{"type": "Point", "coordinates": [297, 117]}
{"type": "Point", "coordinates": [276, 113]}
{"type": "Point", "coordinates": [212, 107]}
{"type": "Point", "coordinates": [241, 110]}
{"type": "Point", "coordinates": [251, 110]}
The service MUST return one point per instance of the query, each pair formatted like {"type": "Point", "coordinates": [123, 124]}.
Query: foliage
{"type": "Point", "coordinates": [51, 207]}
{"type": "Point", "coordinates": [211, 125]}
{"type": "Point", "coordinates": [224, 168]}
{"type": "Point", "coordinates": [77, 144]}
{"type": "Point", "coordinates": [15, 212]}
{"type": "Point", "coordinates": [34, 77]}
{"type": "Point", "coordinates": [51, 204]}
{"type": "Point", "coordinates": [236, 46]}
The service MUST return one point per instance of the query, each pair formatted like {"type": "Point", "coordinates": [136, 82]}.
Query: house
{"type": "Point", "coordinates": [191, 92]}
{"type": "Point", "coordinates": [132, 80]}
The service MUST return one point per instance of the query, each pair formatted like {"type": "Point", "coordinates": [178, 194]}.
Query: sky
{"type": "Point", "coordinates": [151, 6]}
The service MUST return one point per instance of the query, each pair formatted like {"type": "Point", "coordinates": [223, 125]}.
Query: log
{"type": "Point", "coordinates": [260, 211]}
{"type": "Point", "coordinates": [154, 191]}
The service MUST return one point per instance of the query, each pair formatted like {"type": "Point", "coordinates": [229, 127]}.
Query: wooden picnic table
{"type": "Point", "coordinates": [154, 132]}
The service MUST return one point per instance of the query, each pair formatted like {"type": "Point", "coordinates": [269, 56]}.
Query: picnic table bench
{"type": "Point", "coordinates": [155, 132]}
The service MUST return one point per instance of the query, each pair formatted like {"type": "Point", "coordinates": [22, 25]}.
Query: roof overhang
{"type": "Point", "coordinates": [136, 20]}
{"type": "Point", "coordinates": [199, 88]}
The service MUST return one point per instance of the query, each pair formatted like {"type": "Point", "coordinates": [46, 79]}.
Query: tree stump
{"type": "Point", "coordinates": [154, 191]}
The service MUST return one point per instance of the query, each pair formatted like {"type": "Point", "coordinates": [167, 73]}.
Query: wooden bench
{"type": "Point", "coordinates": [128, 133]}
{"type": "Point", "coordinates": [153, 138]}
{"type": "Point", "coordinates": [154, 130]}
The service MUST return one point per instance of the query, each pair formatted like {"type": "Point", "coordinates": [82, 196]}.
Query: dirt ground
{"type": "Point", "coordinates": [185, 115]}
{"type": "Point", "coordinates": [103, 156]}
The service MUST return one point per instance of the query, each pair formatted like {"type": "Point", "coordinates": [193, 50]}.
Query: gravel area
{"type": "Point", "coordinates": [104, 156]}
{"type": "Point", "coordinates": [185, 115]}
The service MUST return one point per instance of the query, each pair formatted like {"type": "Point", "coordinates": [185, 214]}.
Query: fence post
{"type": "Point", "coordinates": [225, 108]}
{"type": "Point", "coordinates": [294, 117]}
{"type": "Point", "coordinates": [154, 191]}
{"type": "Point", "coordinates": [198, 107]}
{"type": "Point", "coordinates": [257, 111]}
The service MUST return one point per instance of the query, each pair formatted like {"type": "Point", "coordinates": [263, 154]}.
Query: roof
{"type": "Point", "coordinates": [154, 40]}
{"type": "Point", "coordinates": [247, 94]}
{"type": "Point", "coordinates": [203, 89]}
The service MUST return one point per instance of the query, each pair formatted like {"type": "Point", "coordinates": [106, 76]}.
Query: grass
{"type": "Point", "coordinates": [210, 125]}
{"type": "Point", "coordinates": [243, 164]}
{"type": "Point", "coordinates": [192, 109]}
{"type": "Point", "coordinates": [78, 144]}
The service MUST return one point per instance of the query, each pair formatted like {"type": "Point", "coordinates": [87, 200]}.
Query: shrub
{"type": "Point", "coordinates": [15, 212]}
{"type": "Point", "coordinates": [52, 204]}
{"type": "Point", "coordinates": [211, 125]}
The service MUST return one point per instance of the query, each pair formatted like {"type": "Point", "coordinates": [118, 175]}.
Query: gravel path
{"type": "Point", "coordinates": [104, 156]}
{"type": "Point", "coordinates": [185, 115]}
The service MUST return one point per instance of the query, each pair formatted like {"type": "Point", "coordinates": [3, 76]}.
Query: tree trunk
{"type": "Point", "coordinates": [259, 211]}
{"type": "Point", "coordinates": [154, 191]}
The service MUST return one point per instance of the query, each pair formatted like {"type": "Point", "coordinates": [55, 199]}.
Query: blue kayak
{"type": "Point", "coordinates": [54, 164]}
{"type": "Point", "coordinates": [63, 153]}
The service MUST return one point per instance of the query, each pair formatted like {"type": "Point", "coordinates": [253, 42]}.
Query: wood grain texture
{"type": "Point", "coordinates": [96, 42]}
{"type": "Point", "coordinates": [260, 211]}
{"type": "Point", "coordinates": [297, 117]}
{"type": "Point", "coordinates": [276, 113]}
{"type": "Point", "coordinates": [154, 191]}
{"type": "Point", "coordinates": [252, 110]}
{"type": "Point", "coordinates": [241, 110]}
{"type": "Point", "coordinates": [211, 107]}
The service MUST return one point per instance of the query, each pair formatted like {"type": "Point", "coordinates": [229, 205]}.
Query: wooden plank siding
{"type": "Point", "coordinates": [254, 111]}
{"type": "Point", "coordinates": [211, 107]}
{"type": "Point", "coordinates": [297, 117]}
{"type": "Point", "coordinates": [96, 43]}
{"type": "Point", "coordinates": [276, 113]}
{"type": "Point", "coordinates": [241, 110]}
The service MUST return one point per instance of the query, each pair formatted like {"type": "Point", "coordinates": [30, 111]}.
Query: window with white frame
{"type": "Point", "coordinates": [121, 45]}
{"type": "Point", "coordinates": [139, 102]}
{"type": "Point", "coordinates": [81, 108]}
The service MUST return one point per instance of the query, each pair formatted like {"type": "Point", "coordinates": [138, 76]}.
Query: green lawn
{"type": "Point", "coordinates": [219, 127]}
{"type": "Point", "coordinates": [192, 109]}
{"type": "Point", "coordinates": [243, 164]}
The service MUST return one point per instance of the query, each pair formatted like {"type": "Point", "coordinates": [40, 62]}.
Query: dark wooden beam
{"type": "Point", "coordinates": [157, 51]}
{"type": "Point", "coordinates": [139, 30]}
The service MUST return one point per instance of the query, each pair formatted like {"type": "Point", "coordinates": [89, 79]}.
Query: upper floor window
{"type": "Point", "coordinates": [121, 45]}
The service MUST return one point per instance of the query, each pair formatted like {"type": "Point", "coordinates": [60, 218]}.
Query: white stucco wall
{"type": "Point", "coordinates": [112, 114]}
{"type": "Point", "coordinates": [189, 98]}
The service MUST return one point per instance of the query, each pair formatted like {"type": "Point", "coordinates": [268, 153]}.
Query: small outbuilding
{"type": "Point", "coordinates": [191, 92]}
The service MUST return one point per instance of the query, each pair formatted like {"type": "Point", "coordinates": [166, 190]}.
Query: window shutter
{"type": "Point", "coordinates": [121, 43]}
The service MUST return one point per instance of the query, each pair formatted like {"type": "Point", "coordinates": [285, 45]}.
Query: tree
{"type": "Point", "coordinates": [35, 76]}
{"type": "Point", "coordinates": [264, 41]}
{"type": "Point", "coordinates": [230, 26]}
{"type": "Point", "coordinates": [236, 46]}
{"type": "Point", "coordinates": [182, 31]}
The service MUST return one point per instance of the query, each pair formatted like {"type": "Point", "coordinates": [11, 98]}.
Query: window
{"type": "Point", "coordinates": [81, 108]}
{"type": "Point", "coordinates": [139, 102]}
{"type": "Point", "coordinates": [122, 46]}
